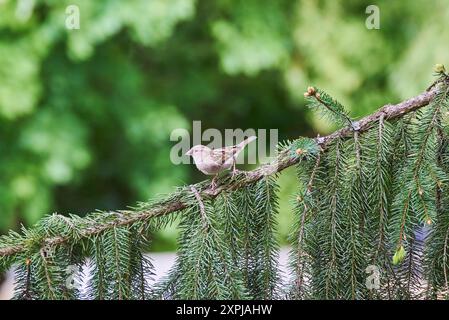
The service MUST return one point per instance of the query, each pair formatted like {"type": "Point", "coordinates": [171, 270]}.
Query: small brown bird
{"type": "Point", "coordinates": [213, 161]}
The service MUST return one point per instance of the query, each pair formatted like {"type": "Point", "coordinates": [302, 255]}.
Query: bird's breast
{"type": "Point", "coordinates": [208, 167]}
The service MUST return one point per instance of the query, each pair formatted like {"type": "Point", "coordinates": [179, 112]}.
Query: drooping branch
{"type": "Point", "coordinates": [205, 189]}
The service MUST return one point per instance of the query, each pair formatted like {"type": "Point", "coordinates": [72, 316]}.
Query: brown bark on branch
{"type": "Point", "coordinates": [283, 161]}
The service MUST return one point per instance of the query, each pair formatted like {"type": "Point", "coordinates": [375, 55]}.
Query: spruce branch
{"type": "Point", "coordinates": [14, 243]}
{"type": "Point", "coordinates": [332, 108]}
{"type": "Point", "coordinates": [299, 259]}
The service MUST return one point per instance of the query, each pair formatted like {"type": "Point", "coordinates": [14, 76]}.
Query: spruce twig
{"type": "Point", "coordinates": [201, 205]}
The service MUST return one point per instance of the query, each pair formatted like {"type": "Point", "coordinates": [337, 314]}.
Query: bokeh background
{"type": "Point", "coordinates": [86, 115]}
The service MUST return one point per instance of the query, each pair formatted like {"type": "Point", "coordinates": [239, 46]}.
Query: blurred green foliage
{"type": "Point", "coordinates": [86, 115]}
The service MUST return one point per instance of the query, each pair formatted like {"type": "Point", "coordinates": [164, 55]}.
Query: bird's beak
{"type": "Point", "coordinates": [189, 153]}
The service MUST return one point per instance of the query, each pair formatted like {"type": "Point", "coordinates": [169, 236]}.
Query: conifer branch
{"type": "Point", "coordinates": [333, 108]}
{"type": "Point", "coordinates": [177, 202]}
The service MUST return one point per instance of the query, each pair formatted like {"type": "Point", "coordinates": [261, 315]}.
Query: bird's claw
{"type": "Point", "coordinates": [238, 172]}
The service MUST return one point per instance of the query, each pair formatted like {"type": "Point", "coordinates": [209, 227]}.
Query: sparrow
{"type": "Point", "coordinates": [213, 161]}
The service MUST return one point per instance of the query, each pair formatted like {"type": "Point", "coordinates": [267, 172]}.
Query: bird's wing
{"type": "Point", "coordinates": [228, 154]}
{"type": "Point", "coordinates": [222, 155]}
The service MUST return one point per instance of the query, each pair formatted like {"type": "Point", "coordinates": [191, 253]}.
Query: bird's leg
{"type": "Point", "coordinates": [213, 184]}
{"type": "Point", "coordinates": [234, 171]}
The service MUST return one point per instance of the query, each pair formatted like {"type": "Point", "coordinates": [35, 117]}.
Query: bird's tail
{"type": "Point", "coordinates": [239, 148]}
{"type": "Point", "coordinates": [242, 144]}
